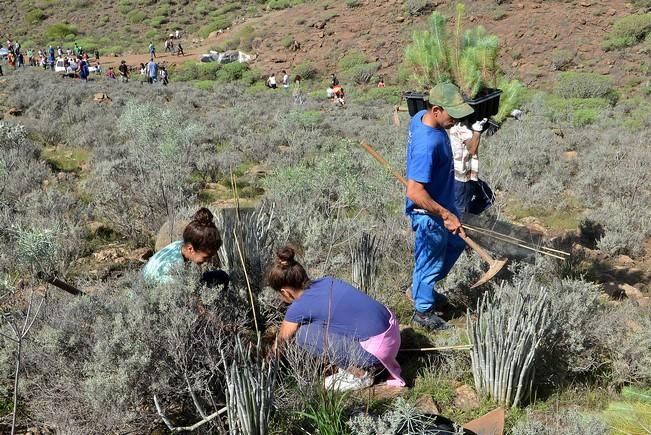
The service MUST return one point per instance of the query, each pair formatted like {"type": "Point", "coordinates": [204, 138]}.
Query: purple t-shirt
{"type": "Point", "coordinates": [346, 310]}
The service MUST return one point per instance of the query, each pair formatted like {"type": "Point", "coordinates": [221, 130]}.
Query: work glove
{"type": "Point", "coordinates": [479, 125]}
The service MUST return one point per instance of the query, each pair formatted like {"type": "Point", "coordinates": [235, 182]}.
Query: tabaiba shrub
{"type": "Point", "coordinates": [585, 85]}
{"type": "Point", "coordinates": [628, 31]}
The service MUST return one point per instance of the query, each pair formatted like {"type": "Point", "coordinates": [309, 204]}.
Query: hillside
{"type": "Point", "coordinates": [538, 37]}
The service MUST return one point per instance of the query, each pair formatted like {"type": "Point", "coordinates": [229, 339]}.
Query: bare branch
{"type": "Point", "coordinates": [198, 424]}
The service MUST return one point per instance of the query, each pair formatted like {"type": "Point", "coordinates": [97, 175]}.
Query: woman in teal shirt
{"type": "Point", "coordinates": [201, 241]}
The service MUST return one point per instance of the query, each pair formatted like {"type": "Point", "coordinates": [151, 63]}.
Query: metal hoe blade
{"type": "Point", "coordinates": [494, 268]}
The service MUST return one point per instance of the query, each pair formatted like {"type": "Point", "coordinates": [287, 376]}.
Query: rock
{"type": "Point", "coordinates": [94, 228]}
{"type": "Point", "coordinates": [101, 98]}
{"type": "Point", "coordinates": [14, 112]}
{"type": "Point", "coordinates": [400, 19]}
{"type": "Point", "coordinates": [259, 171]}
{"type": "Point", "coordinates": [586, 4]}
{"type": "Point", "coordinates": [163, 237]}
{"type": "Point", "coordinates": [614, 290]}
{"type": "Point", "coordinates": [624, 260]}
{"type": "Point", "coordinates": [466, 398]}
{"type": "Point", "coordinates": [426, 405]}
{"type": "Point", "coordinates": [319, 25]}
{"type": "Point", "coordinates": [140, 254]}
{"type": "Point", "coordinates": [612, 12]}
{"type": "Point", "coordinates": [568, 155]}
{"type": "Point", "coordinates": [631, 292]}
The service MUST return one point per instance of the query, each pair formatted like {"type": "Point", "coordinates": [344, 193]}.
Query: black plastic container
{"type": "Point", "coordinates": [415, 102]}
{"type": "Point", "coordinates": [486, 104]}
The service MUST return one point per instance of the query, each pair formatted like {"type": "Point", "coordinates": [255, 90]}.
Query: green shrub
{"type": "Point", "coordinates": [59, 31]}
{"type": "Point", "coordinates": [584, 85]}
{"type": "Point", "coordinates": [136, 16]}
{"type": "Point", "coordinates": [278, 4]}
{"type": "Point", "coordinates": [362, 74]}
{"type": "Point", "coordinates": [158, 21]}
{"type": "Point", "coordinates": [352, 59]}
{"type": "Point", "coordinates": [192, 70]}
{"type": "Point", "coordinates": [628, 31]}
{"type": "Point", "coordinates": [306, 70]}
{"type": "Point", "coordinates": [231, 72]}
{"type": "Point", "coordinates": [352, 3]}
{"type": "Point", "coordinates": [35, 16]}
{"type": "Point", "coordinates": [220, 22]}
{"type": "Point", "coordinates": [561, 59]}
{"type": "Point", "coordinates": [578, 111]}
{"type": "Point", "coordinates": [417, 7]}
{"type": "Point", "coordinates": [287, 41]}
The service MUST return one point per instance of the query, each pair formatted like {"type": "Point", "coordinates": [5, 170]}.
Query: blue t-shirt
{"type": "Point", "coordinates": [160, 266]}
{"type": "Point", "coordinates": [430, 162]}
{"type": "Point", "coordinates": [346, 310]}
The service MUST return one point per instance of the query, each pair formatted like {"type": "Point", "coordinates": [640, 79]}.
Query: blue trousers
{"type": "Point", "coordinates": [435, 252]}
{"type": "Point", "coordinates": [340, 350]}
{"type": "Point", "coordinates": [463, 192]}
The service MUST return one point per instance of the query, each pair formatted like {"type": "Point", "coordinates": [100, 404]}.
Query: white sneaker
{"type": "Point", "coordinates": [345, 381]}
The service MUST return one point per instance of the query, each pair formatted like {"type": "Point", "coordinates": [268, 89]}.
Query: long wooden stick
{"type": "Point", "coordinates": [522, 245]}
{"type": "Point", "coordinates": [437, 349]}
{"type": "Point", "coordinates": [495, 234]}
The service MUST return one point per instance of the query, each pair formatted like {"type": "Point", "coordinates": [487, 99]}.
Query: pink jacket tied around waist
{"type": "Point", "coordinates": [385, 347]}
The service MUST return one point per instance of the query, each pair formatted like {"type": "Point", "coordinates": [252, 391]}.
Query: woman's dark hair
{"type": "Point", "coordinates": [286, 271]}
{"type": "Point", "coordinates": [202, 233]}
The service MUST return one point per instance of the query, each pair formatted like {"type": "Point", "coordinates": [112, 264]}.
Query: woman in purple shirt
{"type": "Point", "coordinates": [331, 318]}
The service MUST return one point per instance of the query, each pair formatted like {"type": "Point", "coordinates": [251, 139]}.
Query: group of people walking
{"type": "Point", "coordinates": [330, 317]}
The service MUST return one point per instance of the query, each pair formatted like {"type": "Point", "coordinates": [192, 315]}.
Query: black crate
{"type": "Point", "coordinates": [415, 102]}
{"type": "Point", "coordinates": [486, 104]}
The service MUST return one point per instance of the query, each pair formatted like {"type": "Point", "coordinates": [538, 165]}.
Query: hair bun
{"type": "Point", "coordinates": [285, 256]}
{"type": "Point", "coordinates": [203, 217]}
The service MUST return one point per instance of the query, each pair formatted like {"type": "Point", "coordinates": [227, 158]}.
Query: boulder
{"type": "Point", "coordinates": [466, 398]}
{"type": "Point", "coordinates": [163, 237]}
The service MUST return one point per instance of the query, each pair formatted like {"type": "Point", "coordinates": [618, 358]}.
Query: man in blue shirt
{"type": "Point", "coordinates": [430, 199]}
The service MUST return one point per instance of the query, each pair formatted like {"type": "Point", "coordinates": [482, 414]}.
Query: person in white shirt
{"type": "Point", "coordinates": [285, 80]}
{"type": "Point", "coordinates": [271, 81]}
{"type": "Point", "coordinates": [465, 145]}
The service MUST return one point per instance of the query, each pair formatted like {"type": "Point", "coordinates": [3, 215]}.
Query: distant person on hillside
{"type": "Point", "coordinates": [331, 319]}
{"type": "Point", "coordinates": [339, 95]}
{"type": "Point", "coordinates": [297, 93]}
{"type": "Point", "coordinates": [380, 84]}
{"type": "Point", "coordinates": [152, 71]}
{"type": "Point", "coordinates": [110, 74]}
{"type": "Point", "coordinates": [96, 55]}
{"type": "Point", "coordinates": [179, 49]}
{"type": "Point", "coordinates": [200, 243]}
{"type": "Point", "coordinates": [168, 45]}
{"type": "Point", "coordinates": [271, 81]}
{"type": "Point", "coordinates": [152, 50]}
{"type": "Point", "coordinates": [333, 80]}
{"type": "Point", "coordinates": [83, 69]}
{"type": "Point", "coordinates": [285, 80]}
{"type": "Point", "coordinates": [330, 92]}
{"type": "Point", "coordinates": [164, 77]}
{"type": "Point", "coordinates": [124, 71]}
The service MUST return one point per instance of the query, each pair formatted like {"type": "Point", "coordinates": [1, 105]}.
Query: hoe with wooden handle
{"type": "Point", "coordinates": [494, 265]}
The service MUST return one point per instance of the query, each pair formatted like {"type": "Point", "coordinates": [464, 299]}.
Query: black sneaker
{"type": "Point", "coordinates": [429, 321]}
{"type": "Point", "coordinates": [441, 302]}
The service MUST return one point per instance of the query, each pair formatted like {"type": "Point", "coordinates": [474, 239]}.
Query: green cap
{"type": "Point", "coordinates": [448, 96]}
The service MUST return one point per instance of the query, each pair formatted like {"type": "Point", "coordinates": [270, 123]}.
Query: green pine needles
{"type": "Point", "coordinates": [469, 59]}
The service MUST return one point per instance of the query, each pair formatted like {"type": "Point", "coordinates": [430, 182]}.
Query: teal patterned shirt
{"type": "Point", "coordinates": [159, 267]}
